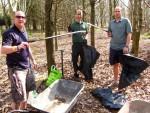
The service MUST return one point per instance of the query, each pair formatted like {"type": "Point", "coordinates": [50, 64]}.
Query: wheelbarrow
{"type": "Point", "coordinates": [59, 97]}
{"type": "Point", "coordinates": [136, 106]}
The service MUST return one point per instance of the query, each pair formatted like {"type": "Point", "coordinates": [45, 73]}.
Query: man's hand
{"type": "Point", "coordinates": [126, 50]}
{"type": "Point", "coordinates": [35, 66]}
{"type": "Point", "coordinates": [70, 35]}
{"type": "Point", "coordinates": [23, 45]}
{"type": "Point", "coordinates": [109, 34]}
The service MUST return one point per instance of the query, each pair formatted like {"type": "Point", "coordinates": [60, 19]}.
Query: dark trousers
{"type": "Point", "coordinates": [114, 56]}
{"type": "Point", "coordinates": [77, 51]}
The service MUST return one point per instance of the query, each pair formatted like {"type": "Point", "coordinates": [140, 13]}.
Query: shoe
{"type": "Point", "coordinates": [76, 79]}
{"type": "Point", "coordinates": [76, 75]}
{"type": "Point", "coordinates": [80, 69]}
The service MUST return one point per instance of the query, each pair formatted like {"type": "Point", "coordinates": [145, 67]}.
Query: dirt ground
{"type": "Point", "coordinates": [102, 72]}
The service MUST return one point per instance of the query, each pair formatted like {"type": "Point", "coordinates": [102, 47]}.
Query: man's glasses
{"type": "Point", "coordinates": [23, 17]}
{"type": "Point", "coordinates": [117, 11]}
{"type": "Point", "coordinates": [78, 14]}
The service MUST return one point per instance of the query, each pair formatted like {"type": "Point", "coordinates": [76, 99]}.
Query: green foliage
{"type": "Point", "coordinates": [30, 33]}
{"type": "Point", "coordinates": [146, 35]}
{"type": "Point", "coordinates": [7, 19]}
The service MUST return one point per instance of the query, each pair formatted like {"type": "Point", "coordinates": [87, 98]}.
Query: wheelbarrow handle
{"type": "Point", "coordinates": [21, 111]}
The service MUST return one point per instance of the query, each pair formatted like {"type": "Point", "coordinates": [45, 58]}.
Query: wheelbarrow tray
{"type": "Point", "coordinates": [136, 106]}
{"type": "Point", "coordinates": [59, 97]}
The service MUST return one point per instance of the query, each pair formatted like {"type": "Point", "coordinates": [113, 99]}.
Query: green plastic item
{"type": "Point", "coordinates": [55, 74]}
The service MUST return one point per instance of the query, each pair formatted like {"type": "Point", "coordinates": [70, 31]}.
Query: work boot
{"type": "Point", "coordinates": [76, 77]}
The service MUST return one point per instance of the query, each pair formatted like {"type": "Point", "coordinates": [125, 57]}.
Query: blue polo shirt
{"type": "Point", "coordinates": [119, 32]}
{"type": "Point", "coordinates": [13, 37]}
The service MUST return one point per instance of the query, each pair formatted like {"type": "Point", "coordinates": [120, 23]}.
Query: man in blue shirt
{"type": "Point", "coordinates": [17, 49]}
{"type": "Point", "coordinates": [120, 32]}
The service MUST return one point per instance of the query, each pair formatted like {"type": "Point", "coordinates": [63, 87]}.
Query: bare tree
{"type": "Point", "coordinates": [56, 5]}
{"type": "Point", "coordinates": [92, 3]}
{"type": "Point", "coordinates": [49, 32]}
{"type": "Point", "coordinates": [137, 25]}
{"type": "Point", "coordinates": [102, 13]}
{"type": "Point", "coordinates": [5, 12]}
{"type": "Point", "coordinates": [146, 15]}
{"type": "Point", "coordinates": [110, 10]}
{"type": "Point", "coordinates": [83, 6]}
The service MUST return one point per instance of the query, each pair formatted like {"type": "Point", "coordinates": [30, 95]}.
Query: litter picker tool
{"type": "Point", "coordinates": [93, 25]}
{"type": "Point", "coordinates": [76, 32]}
{"type": "Point", "coordinates": [97, 27]}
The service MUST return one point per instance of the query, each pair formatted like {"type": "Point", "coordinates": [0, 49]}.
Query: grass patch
{"type": "Point", "coordinates": [36, 35]}
{"type": "Point", "coordinates": [146, 35]}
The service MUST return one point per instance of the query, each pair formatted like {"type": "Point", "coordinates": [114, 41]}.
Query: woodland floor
{"type": "Point", "coordinates": [102, 72]}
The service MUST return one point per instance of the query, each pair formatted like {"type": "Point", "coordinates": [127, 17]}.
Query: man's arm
{"type": "Point", "coordinates": [87, 31]}
{"type": "Point", "coordinates": [32, 58]}
{"type": "Point", "coordinates": [126, 48]}
{"type": "Point", "coordinates": [7, 49]}
{"type": "Point", "coordinates": [109, 34]}
{"type": "Point", "coordinates": [69, 30]}
{"type": "Point", "coordinates": [129, 31]}
{"type": "Point", "coordinates": [128, 39]}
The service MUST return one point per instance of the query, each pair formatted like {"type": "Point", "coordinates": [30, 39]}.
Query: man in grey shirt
{"type": "Point", "coordinates": [120, 31]}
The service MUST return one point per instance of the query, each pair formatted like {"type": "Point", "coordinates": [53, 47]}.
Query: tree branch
{"type": "Point", "coordinates": [147, 4]}
{"type": "Point", "coordinates": [124, 4]}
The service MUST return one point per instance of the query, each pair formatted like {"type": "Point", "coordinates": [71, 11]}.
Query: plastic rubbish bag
{"type": "Point", "coordinates": [131, 69]}
{"type": "Point", "coordinates": [30, 80]}
{"type": "Point", "coordinates": [110, 100]}
{"type": "Point", "coordinates": [55, 74]}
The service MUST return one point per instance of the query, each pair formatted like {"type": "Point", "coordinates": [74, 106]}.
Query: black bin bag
{"type": "Point", "coordinates": [30, 80]}
{"type": "Point", "coordinates": [131, 69]}
{"type": "Point", "coordinates": [110, 100]}
{"type": "Point", "coordinates": [91, 55]}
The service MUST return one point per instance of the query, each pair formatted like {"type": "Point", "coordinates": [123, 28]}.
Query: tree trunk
{"type": "Point", "coordinates": [115, 3]}
{"type": "Point", "coordinates": [92, 3]}
{"type": "Point", "coordinates": [34, 24]}
{"type": "Point", "coordinates": [42, 25]}
{"type": "Point", "coordinates": [55, 25]}
{"type": "Point", "coordinates": [101, 6]}
{"type": "Point", "coordinates": [49, 32]}
{"type": "Point", "coordinates": [83, 5]}
{"type": "Point", "coordinates": [131, 11]}
{"type": "Point", "coordinates": [137, 26]}
{"type": "Point", "coordinates": [110, 10]}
